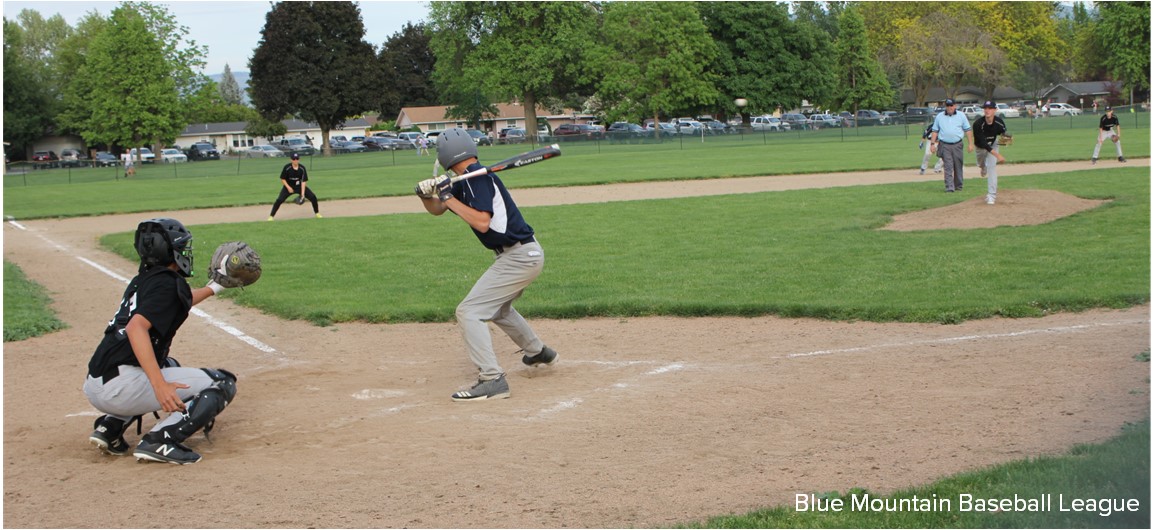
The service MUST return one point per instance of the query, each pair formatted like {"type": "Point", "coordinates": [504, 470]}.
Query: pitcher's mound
{"type": "Point", "coordinates": [1013, 208]}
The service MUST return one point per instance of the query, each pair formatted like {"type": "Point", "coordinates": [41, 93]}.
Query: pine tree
{"type": "Point", "coordinates": [230, 90]}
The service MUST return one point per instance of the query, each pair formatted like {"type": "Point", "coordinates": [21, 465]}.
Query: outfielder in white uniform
{"type": "Point", "coordinates": [485, 204]}
{"type": "Point", "coordinates": [1109, 130]}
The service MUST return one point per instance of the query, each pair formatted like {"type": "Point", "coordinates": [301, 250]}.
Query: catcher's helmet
{"type": "Point", "coordinates": [162, 241]}
{"type": "Point", "coordinates": [453, 146]}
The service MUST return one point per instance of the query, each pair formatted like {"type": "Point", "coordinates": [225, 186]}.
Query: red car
{"type": "Point", "coordinates": [577, 129]}
{"type": "Point", "coordinates": [45, 159]}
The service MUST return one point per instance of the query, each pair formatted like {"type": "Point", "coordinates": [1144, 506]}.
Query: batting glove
{"type": "Point", "coordinates": [426, 188]}
{"type": "Point", "coordinates": [444, 188]}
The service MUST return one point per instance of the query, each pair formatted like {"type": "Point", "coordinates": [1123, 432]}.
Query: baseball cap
{"type": "Point", "coordinates": [949, 102]}
{"type": "Point", "coordinates": [1109, 108]}
{"type": "Point", "coordinates": [990, 105]}
{"type": "Point", "coordinates": [295, 156]}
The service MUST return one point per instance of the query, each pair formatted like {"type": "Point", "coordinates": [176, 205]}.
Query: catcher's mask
{"type": "Point", "coordinates": [162, 241]}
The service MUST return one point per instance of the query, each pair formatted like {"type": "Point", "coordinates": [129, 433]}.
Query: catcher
{"type": "Point", "coordinates": [131, 374]}
{"type": "Point", "coordinates": [295, 179]}
{"type": "Point", "coordinates": [1109, 129]}
{"type": "Point", "coordinates": [988, 128]}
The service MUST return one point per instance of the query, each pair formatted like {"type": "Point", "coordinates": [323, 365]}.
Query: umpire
{"type": "Point", "coordinates": [948, 130]}
{"type": "Point", "coordinates": [294, 179]}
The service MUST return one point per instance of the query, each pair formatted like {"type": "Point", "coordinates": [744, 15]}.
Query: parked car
{"type": "Point", "coordinates": [399, 143]}
{"type": "Point", "coordinates": [202, 151]}
{"type": "Point", "coordinates": [298, 145]}
{"type": "Point", "coordinates": [972, 112]}
{"type": "Point", "coordinates": [146, 155]}
{"type": "Point", "coordinates": [378, 143]}
{"type": "Point", "coordinates": [847, 119]}
{"type": "Point", "coordinates": [796, 121]}
{"type": "Point", "coordinates": [73, 158]}
{"type": "Point", "coordinates": [623, 131]}
{"type": "Point", "coordinates": [479, 137]}
{"type": "Point", "coordinates": [1006, 111]}
{"type": "Point", "coordinates": [717, 127]}
{"type": "Point", "coordinates": [337, 139]}
{"type": "Point", "coordinates": [172, 156]}
{"type": "Point", "coordinates": [867, 118]}
{"type": "Point", "coordinates": [919, 115]}
{"type": "Point", "coordinates": [824, 121]}
{"type": "Point", "coordinates": [263, 151]}
{"type": "Point", "coordinates": [410, 137]}
{"type": "Point", "coordinates": [349, 147]}
{"type": "Point", "coordinates": [666, 129]}
{"type": "Point", "coordinates": [511, 135]}
{"type": "Point", "coordinates": [105, 159]}
{"type": "Point", "coordinates": [768, 123]}
{"type": "Point", "coordinates": [689, 127]}
{"type": "Point", "coordinates": [578, 130]}
{"type": "Point", "coordinates": [431, 137]}
{"type": "Point", "coordinates": [45, 159]}
{"type": "Point", "coordinates": [1062, 109]}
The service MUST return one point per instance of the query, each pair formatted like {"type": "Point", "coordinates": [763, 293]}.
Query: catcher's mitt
{"type": "Point", "coordinates": [235, 264]}
{"type": "Point", "coordinates": [1006, 140]}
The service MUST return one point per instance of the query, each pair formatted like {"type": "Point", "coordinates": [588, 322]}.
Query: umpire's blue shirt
{"type": "Point", "coordinates": [488, 194]}
{"type": "Point", "coordinates": [951, 128]}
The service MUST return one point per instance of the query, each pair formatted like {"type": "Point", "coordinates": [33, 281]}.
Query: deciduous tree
{"type": "Point", "coordinates": [312, 62]}
{"type": "Point", "coordinates": [408, 62]}
{"type": "Point", "coordinates": [654, 59]}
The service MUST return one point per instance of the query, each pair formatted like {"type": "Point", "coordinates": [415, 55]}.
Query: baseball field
{"type": "Point", "coordinates": [761, 329]}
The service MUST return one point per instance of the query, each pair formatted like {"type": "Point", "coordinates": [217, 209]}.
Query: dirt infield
{"type": "Point", "coordinates": [643, 422]}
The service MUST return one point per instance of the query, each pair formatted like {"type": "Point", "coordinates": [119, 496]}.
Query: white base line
{"type": "Point", "coordinates": [223, 326]}
{"type": "Point", "coordinates": [1066, 329]}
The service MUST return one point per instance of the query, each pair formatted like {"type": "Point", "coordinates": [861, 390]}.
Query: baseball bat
{"type": "Point", "coordinates": [524, 159]}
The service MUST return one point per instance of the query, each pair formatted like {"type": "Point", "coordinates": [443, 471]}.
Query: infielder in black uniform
{"type": "Point", "coordinates": [486, 206]}
{"type": "Point", "coordinates": [1109, 129]}
{"type": "Point", "coordinates": [987, 129]}
{"type": "Point", "coordinates": [131, 374]}
{"type": "Point", "coordinates": [295, 179]}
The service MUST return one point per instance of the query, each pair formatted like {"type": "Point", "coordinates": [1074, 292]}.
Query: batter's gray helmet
{"type": "Point", "coordinates": [453, 146]}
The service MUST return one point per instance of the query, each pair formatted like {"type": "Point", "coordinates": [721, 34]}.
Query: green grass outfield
{"type": "Point", "coordinates": [88, 191]}
{"type": "Point", "coordinates": [805, 253]}
{"type": "Point", "coordinates": [1118, 469]}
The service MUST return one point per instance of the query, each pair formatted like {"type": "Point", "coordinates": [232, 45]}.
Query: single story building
{"type": "Point", "coordinates": [966, 95]}
{"type": "Point", "coordinates": [1082, 94]}
{"type": "Point", "coordinates": [231, 136]}
{"type": "Point", "coordinates": [509, 115]}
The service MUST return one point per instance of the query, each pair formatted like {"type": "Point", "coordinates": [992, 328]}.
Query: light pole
{"type": "Point", "coordinates": [741, 103]}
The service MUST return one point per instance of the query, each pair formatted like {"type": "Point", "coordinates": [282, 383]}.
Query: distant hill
{"type": "Point", "coordinates": [242, 81]}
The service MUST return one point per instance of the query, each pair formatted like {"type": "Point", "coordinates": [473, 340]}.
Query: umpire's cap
{"type": "Point", "coordinates": [948, 102]}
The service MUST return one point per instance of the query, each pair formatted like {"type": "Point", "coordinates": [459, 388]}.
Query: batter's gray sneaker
{"type": "Point", "coordinates": [166, 451]}
{"type": "Point", "coordinates": [109, 435]}
{"type": "Point", "coordinates": [547, 357]}
{"type": "Point", "coordinates": [491, 389]}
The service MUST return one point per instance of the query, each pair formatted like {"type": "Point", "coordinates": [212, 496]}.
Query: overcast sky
{"type": "Point", "coordinates": [232, 28]}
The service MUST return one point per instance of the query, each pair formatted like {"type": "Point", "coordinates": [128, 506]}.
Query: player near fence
{"type": "Point", "coordinates": [131, 374]}
{"type": "Point", "coordinates": [487, 207]}
{"type": "Point", "coordinates": [929, 149]}
{"type": "Point", "coordinates": [1109, 130]}
{"type": "Point", "coordinates": [295, 180]}
{"type": "Point", "coordinates": [988, 128]}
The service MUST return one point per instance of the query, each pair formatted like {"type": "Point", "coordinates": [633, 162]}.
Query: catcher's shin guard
{"type": "Point", "coordinates": [202, 410]}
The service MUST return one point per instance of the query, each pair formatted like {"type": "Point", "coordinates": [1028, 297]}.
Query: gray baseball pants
{"type": "Point", "coordinates": [952, 168]}
{"type": "Point", "coordinates": [130, 393]}
{"type": "Point", "coordinates": [491, 300]}
{"type": "Point", "coordinates": [989, 163]}
{"type": "Point", "coordinates": [1106, 135]}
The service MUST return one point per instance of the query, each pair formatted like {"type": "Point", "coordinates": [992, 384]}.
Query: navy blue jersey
{"type": "Point", "coordinates": [160, 295]}
{"type": "Point", "coordinates": [487, 193]}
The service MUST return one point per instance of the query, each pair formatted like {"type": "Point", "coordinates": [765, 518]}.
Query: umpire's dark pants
{"type": "Point", "coordinates": [952, 164]}
{"type": "Point", "coordinates": [285, 194]}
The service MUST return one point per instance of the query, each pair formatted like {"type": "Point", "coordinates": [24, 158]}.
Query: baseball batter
{"type": "Point", "coordinates": [487, 207]}
{"type": "Point", "coordinates": [295, 179]}
{"type": "Point", "coordinates": [987, 129]}
{"type": "Point", "coordinates": [131, 374]}
{"type": "Point", "coordinates": [1109, 130]}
